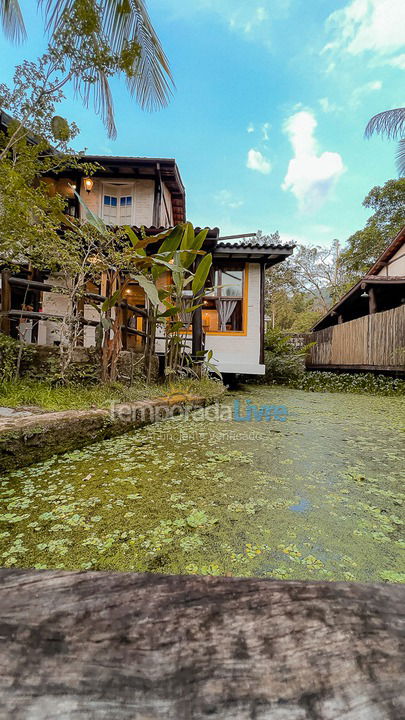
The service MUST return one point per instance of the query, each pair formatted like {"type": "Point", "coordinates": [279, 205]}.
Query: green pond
{"type": "Point", "coordinates": [318, 496]}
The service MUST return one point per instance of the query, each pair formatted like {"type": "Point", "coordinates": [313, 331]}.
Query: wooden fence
{"type": "Point", "coordinates": [372, 342]}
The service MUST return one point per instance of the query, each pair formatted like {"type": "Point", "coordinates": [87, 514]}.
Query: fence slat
{"type": "Point", "coordinates": [373, 341]}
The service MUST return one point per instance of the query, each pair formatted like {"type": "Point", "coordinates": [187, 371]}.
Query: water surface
{"type": "Point", "coordinates": [319, 496]}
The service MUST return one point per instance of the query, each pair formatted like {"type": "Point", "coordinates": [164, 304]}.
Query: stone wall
{"type": "Point", "coordinates": [43, 363]}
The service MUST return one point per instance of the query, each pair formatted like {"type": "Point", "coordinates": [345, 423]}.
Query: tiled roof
{"type": "Point", "coordinates": [255, 245]}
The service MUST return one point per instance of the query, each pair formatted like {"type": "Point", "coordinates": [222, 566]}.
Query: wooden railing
{"type": "Point", "coordinates": [7, 312]}
{"type": "Point", "coordinates": [372, 342]}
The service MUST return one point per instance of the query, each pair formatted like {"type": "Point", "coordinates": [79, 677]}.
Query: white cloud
{"type": "Point", "coordinates": [376, 26]}
{"type": "Point", "coordinates": [253, 20]}
{"type": "Point", "coordinates": [250, 128]}
{"type": "Point", "coordinates": [398, 61]}
{"type": "Point", "coordinates": [226, 199]}
{"type": "Point", "coordinates": [327, 106]}
{"type": "Point", "coordinates": [310, 176]}
{"type": "Point", "coordinates": [259, 16]}
{"type": "Point", "coordinates": [363, 90]}
{"type": "Point", "coordinates": [257, 161]}
{"type": "Point", "coordinates": [265, 131]}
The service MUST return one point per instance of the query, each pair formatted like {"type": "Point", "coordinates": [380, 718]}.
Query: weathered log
{"type": "Point", "coordinates": [123, 647]}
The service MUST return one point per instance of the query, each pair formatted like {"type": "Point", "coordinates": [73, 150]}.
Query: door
{"type": "Point", "coordinates": [117, 204]}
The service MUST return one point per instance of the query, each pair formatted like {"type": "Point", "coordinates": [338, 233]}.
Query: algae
{"type": "Point", "coordinates": [316, 497]}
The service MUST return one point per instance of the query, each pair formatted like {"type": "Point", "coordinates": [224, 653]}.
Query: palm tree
{"type": "Point", "coordinates": [122, 23]}
{"type": "Point", "coordinates": [390, 123]}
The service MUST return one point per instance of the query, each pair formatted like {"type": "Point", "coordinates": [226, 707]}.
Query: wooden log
{"type": "Point", "coordinates": [111, 646]}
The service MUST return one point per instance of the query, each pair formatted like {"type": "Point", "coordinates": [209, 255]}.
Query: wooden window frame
{"type": "Point", "coordinates": [243, 298]}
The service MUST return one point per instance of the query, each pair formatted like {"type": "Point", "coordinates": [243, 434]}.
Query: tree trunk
{"type": "Point", "coordinates": [111, 646]}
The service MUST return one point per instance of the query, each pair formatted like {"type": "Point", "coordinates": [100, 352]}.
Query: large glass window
{"type": "Point", "coordinates": [223, 302]}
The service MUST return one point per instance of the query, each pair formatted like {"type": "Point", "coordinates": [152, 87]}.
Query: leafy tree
{"type": "Point", "coordinates": [364, 246]}
{"type": "Point", "coordinates": [36, 144]}
{"type": "Point", "coordinates": [391, 123]}
{"type": "Point", "coordinates": [318, 272]}
{"type": "Point", "coordinates": [121, 29]}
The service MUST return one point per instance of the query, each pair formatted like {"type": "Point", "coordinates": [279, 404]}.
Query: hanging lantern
{"type": "Point", "coordinates": [88, 184]}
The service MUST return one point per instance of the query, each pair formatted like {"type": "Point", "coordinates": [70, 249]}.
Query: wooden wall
{"type": "Point", "coordinates": [375, 342]}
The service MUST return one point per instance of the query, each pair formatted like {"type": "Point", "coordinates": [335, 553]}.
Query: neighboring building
{"type": "Point", "coordinates": [382, 288]}
{"type": "Point", "coordinates": [365, 329]}
{"type": "Point", "coordinates": [149, 192]}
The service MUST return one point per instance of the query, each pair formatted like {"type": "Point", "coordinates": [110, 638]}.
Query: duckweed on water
{"type": "Point", "coordinates": [318, 496]}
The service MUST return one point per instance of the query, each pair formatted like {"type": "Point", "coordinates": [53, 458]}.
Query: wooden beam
{"type": "Point", "coordinates": [372, 301]}
{"type": "Point", "coordinates": [124, 311]}
{"type": "Point", "coordinates": [125, 646]}
{"type": "Point", "coordinates": [262, 313]}
{"type": "Point", "coordinates": [197, 341]}
{"type": "Point", "coordinates": [5, 302]}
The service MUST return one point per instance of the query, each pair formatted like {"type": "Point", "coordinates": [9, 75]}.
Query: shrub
{"type": "Point", "coordinates": [323, 381]}
{"type": "Point", "coordinates": [11, 353]}
{"type": "Point", "coordinates": [284, 362]}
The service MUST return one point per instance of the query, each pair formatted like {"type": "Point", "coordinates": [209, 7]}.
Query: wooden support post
{"type": "Point", "coordinates": [262, 311]}
{"type": "Point", "coordinates": [80, 313]}
{"type": "Point", "coordinates": [124, 320]}
{"type": "Point", "coordinates": [372, 301]}
{"type": "Point", "coordinates": [197, 342]}
{"type": "Point", "coordinates": [5, 302]}
{"type": "Point", "coordinates": [157, 201]}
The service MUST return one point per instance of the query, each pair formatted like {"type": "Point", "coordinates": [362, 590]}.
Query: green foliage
{"type": "Point", "coordinates": [364, 247]}
{"type": "Point", "coordinates": [30, 216]}
{"type": "Point", "coordinates": [362, 383]}
{"type": "Point", "coordinates": [98, 40]}
{"type": "Point", "coordinates": [10, 352]}
{"type": "Point", "coordinates": [168, 499]}
{"type": "Point", "coordinates": [80, 395]}
{"type": "Point", "coordinates": [284, 363]}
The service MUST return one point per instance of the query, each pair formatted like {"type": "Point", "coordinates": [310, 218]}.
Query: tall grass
{"type": "Point", "coordinates": [23, 393]}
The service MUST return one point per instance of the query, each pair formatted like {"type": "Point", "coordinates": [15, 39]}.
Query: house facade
{"type": "Point", "coordinates": [365, 329]}
{"type": "Point", "coordinates": [149, 193]}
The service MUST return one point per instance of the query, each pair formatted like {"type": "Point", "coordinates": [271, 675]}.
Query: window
{"type": "Point", "coordinates": [117, 204]}
{"type": "Point", "coordinates": [110, 200]}
{"type": "Point", "coordinates": [110, 214]}
{"type": "Point", "coordinates": [125, 210]}
{"type": "Point", "coordinates": [223, 306]}
{"type": "Point", "coordinates": [126, 201]}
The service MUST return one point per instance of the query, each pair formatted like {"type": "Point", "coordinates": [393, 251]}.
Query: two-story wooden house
{"type": "Point", "coordinates": [149, 192]}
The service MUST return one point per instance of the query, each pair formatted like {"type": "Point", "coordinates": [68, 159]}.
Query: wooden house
{"type": "Point", "coordinates": [365, 329]}
{"type": "Point", "coordinates": [149, 192]}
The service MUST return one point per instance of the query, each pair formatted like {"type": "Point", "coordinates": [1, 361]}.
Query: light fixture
{"type": "Point", "coordinates": [364, 295]}
{"type": "Point", "coordinates": [88, 184]}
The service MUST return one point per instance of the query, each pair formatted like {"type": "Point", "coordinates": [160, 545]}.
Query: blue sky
{"type": "Point", "coordinates": [268, 115]}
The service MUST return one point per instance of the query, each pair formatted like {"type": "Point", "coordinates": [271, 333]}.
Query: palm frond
{"type": "Point", "coordinates": [12, 20]}
{"type": "Point", "coordinates": [122, 23]}
{"type": "Point", "coordinates": [102, 100]}
{"type": "Point", "coordinates": [390, 123]}
{"type": "Point", "coordinates": [401, 158]}
{"type": "Point", "coordinates": [152, 81]}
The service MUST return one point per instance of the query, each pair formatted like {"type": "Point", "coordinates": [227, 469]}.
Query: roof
{"type": "Point", "coordinates": [368, 280]}
{"type": "Point", "coordinates": [395, 283]}
{"type": "Point", "coordinates": [388, 253]}
{"type": "Point", "coordinates": [145, 168]}
{"type": "Point", "coordinates": [265, 252]}
{"type": "Point", "coordinates": [255, 244]}
{"type": "Point", "coordinates": [251, 248]}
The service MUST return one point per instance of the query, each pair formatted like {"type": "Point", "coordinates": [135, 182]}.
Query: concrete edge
{"type": "Point", "coordinates": [28, 440]}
